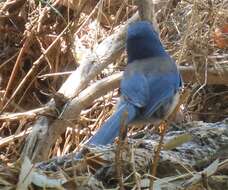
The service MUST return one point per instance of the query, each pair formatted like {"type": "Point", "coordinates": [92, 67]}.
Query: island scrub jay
{"type": "Point", "coordinates": [150, 84]}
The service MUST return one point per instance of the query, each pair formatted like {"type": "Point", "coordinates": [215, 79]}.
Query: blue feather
{"type": "Point", "coordinates": [110, 130]}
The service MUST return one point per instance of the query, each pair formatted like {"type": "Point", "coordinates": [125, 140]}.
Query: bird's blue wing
{"type": "Point", "coordinates": [162, 91]}
{"type": "Point", "coordinates": [150, 90]}
{"type": "Point", "coordinates": [135, 89]}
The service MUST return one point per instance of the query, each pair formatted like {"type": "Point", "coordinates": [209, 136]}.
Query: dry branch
{"type": "Point", "coordinates": [214, 76]}
{"type": "Point", "coordinates": [71, 112]}
{"type": "Point", "coordinates": [90, 66]}
{"type": "Point", "coordinates": [209, 141]}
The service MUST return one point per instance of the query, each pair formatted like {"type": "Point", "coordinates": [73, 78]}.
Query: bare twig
{"type": "Point", "coordinates": [21, 115]}
{"type": "Point", "coordinates": [6, 141]}
{"type": "Point", "coordinates": [119, 150]}
{"type": "Point", "coordinates": [157, 150]}
{"type": "Point", "coordinates": [15, 70]}
{"type": "Point", "coordinates": [136, 174]}
{"type": "Point", "coordinates": [27, 78]}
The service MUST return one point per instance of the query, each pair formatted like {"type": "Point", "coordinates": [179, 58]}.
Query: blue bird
{"type": "Point", "coordinates": [150, 85]}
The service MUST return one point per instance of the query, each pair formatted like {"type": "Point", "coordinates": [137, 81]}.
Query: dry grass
{"type": "Point", "coordinates": [31, 32]}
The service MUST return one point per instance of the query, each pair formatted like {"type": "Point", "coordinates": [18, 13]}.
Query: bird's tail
{"type": "Point", "coordinates": [111, 128]}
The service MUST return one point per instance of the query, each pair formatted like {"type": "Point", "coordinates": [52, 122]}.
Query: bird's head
{"type": "Point", "coordinates": [143, 42]}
